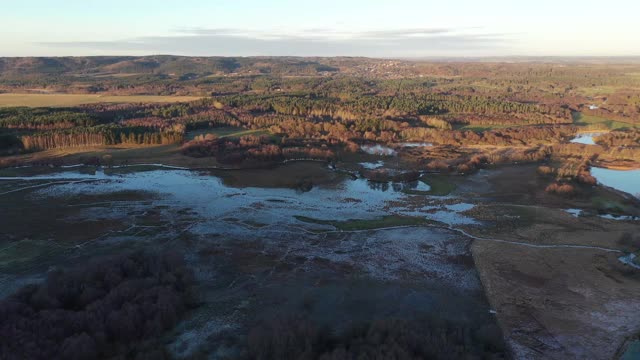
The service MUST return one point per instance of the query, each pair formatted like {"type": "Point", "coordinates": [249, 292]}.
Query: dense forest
{"type": "Point", "coordinates": [115, 307]}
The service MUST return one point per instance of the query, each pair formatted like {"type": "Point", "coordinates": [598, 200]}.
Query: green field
{"type": "Point", "coordinates": [64, 100]}
{"type": "Point", "coordinates": [440, 186]}
{"type": "Point", "coordinates": [230, 132]}
{"type": "Point", "coordinates": [598, 123]}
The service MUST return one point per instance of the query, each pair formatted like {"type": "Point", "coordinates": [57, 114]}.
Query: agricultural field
{"type": "Point", "coordinates": [68, 100]}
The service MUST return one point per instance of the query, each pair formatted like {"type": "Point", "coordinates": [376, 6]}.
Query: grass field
{"type": "Point", "coordinates": [62, 100]}
{"type": "Point", "coordinates": [487, 127]}
{"type": "Point", "coordinates": [440, 186]}
{"type": "Point", "coordinates": [598, 123]}
{"type": "Point", "coordinates": [230, 132]}
{"type": "Point", "coordinates": [121, 154]}
{"type": "Point", "coordinates": [597, 90]}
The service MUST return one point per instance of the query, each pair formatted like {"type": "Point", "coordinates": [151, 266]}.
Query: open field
{"type": "Point", "coordinates": [230, 132]}
{"type": "Point", "coordinates": [598, 123]}
{"type": "Point", "coordinates": [439, 186]}
{"type": "Point", "coordinates": [120, 155]}
{"type": "Point", "coordinates": [488, 127]}
{"type": "Point", "coordinates": [65, 100]}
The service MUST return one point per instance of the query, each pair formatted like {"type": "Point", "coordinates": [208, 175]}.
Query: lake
{"type": "Point", "coordinates": [623, 180]}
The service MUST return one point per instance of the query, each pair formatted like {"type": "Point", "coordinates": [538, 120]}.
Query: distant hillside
{"type": "Point", "coordinates": [161, 65]}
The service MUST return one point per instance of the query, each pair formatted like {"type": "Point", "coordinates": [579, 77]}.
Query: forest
{"type": "Point", "coordinates": [113, 307]}
{"type": "Point", "coordinates": [328, 108]}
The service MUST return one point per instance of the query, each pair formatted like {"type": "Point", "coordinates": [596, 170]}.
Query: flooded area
{"type": "Point", "coordinates": [623, 180]}
{"type": "Point", "coordinates": [248, 244]}
{"type": "Point", "coordinates": [210, 198]}
{"type": "Point", "coordinates": [341, 250]}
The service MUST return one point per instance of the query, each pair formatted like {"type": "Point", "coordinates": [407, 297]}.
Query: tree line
{"type": "Point", "coordinates": [99, 135]}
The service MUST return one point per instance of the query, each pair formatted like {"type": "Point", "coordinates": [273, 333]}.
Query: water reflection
{"type": "Point", "coordinates": [417, 144]}
{"type": "Point", "coordinates": [212, 200]}
{"type": "Point", "coordinates": [398, 186]}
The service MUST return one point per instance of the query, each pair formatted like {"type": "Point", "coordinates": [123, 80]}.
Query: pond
{"type": "Point", "coordinates": [623, 180]}
{"type": "Point", "coordinates": [586, 138]}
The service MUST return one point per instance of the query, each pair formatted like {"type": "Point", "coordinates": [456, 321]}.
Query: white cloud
{"type": "Point", "coordinates": [309, 42]}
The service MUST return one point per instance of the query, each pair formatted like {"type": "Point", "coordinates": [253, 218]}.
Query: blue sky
{"type": "Point", "coordinates": [396, 28]}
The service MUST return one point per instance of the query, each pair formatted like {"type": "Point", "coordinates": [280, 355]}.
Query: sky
{"type": "Point", "coordinates": [374, 28]}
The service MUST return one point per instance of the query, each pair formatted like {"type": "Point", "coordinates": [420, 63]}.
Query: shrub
{"type": "Point", "coordinates": [561, 189]}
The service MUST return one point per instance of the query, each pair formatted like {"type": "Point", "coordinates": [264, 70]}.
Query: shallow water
{"type": "Point", "coordinates": [574, 212]}
{"type": "Point", "coordinates": [627, 181]}
{"type": "Point", "coordinates": [578, 213]}
{"type": "Point", "coordinates": [629, 260]}
{"type": "Point", "coordinates": [211, 199]}
{"type": "Point", "coordinates": [416, 144]}
{"type": "Point", "coordinates": [586, 138]}
{"type": "Point", "coordinates": [378, 150]}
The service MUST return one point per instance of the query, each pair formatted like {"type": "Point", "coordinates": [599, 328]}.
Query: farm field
{"type": "Point", "coordinates": [67, 100]}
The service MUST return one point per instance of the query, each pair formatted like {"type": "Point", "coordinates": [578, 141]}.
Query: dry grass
{"type": "Point", "coordinates": [129, 154]}
{"type": "Point", "coordinates": [62, 100]}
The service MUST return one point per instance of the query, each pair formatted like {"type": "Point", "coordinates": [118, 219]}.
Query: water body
{"type": "Point", "coordinates": [633, 351]}
{"type": "Point", "coordinates": [209, 197]}
{"type": "Point", "coordinates": [630, 260]}
{"type": "Point", "coordinates": [586, 138]}
{"type": "Point", "coordinates": [574, 212]}
{"type": "Point", "coordinates": [578, 213]}
{"type": "Point", "coordinates": [623, 180]}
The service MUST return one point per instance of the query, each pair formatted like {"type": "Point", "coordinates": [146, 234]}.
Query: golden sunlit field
{"type": "Point", "coordinates": [62, 100]}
